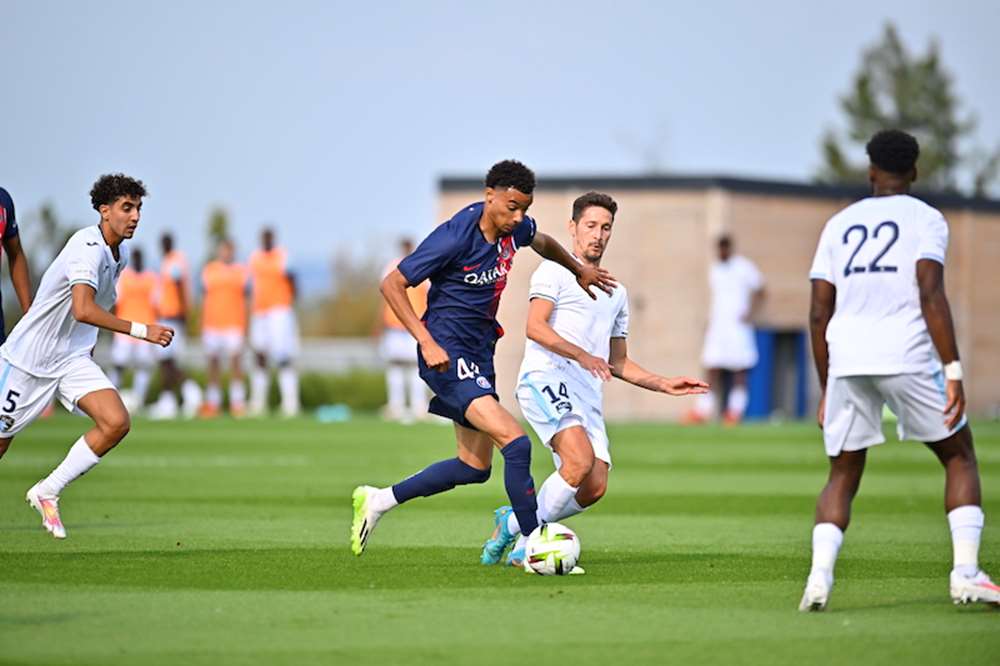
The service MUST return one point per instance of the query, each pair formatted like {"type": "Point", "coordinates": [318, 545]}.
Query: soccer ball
{"type": "Point", "coordinates": [552, 550]}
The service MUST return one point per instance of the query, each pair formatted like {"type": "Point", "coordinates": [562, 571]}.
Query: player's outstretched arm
{"type": "Point", "coordinates": [937, 313]}
{"type": "Point", "coordinates": [587, 276]}
{"type": "Point", "coordinates": [628, 370]}
{"type": "Point", "coordinates": [87, 311]}
{"type": "Point", "coordinates": [821, 306]}
{"type": "Point", "coordinates": [539, 330]}
{"type": "Point", "coordinates": [18, 264]}
{"type": "Point", "coordinates": [393, 289]}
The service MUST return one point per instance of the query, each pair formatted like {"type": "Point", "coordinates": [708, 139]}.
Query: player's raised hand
{"type": "Point", "coordinates": [595, 276]}
{"type": "Point", "coordinates": [683, 386]}
{"type": "Point", "coordinates": [159, 335]}
{"type": "Point", "coordinates": [435, 356]}
{"type": "Point", "coordinates": [955, 408]}
{"type": "Point", "coordinates": [596, 366]}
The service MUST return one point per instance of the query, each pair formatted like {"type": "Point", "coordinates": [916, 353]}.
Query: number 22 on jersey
{"type": "Point", "coordinates": [859, 233]}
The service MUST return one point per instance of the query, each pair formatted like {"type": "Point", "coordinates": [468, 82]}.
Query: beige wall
{"type": "Point", "coordinates": [662, 243]}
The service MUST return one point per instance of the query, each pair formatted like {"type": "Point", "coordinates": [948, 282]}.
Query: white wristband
{"type": "Point", "coordinates": [953, 371]}
{"type": "Point", "coordinates": [138, 330]}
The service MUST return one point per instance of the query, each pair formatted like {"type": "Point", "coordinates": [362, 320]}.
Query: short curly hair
{"type": "Point", "coordinates": [894, 151]}
{"type": "Point", "coordinates": [511, 173]}
{"type": "Point", "coordinates": [585, 201]}
{"type": "Point", "coordinates": [113, 186]}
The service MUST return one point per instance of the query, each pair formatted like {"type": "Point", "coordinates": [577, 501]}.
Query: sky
{"type": "Point", "coordinates": [334, 120]}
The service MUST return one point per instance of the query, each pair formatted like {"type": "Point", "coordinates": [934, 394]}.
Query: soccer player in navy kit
{"type": "Point", "coordinates": [11, 240]}
{"type": "Point", "coordinates": [467, 260]}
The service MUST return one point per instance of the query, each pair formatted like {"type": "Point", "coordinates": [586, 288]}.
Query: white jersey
{"type": "Point", "coordinates": [869, 252]}
{"type": "Point", "coordinates": [48, 337]}
{"type": "Point", "coordinates": [589, 324]}
{"type": "Point", "coordinates": [733, 284]}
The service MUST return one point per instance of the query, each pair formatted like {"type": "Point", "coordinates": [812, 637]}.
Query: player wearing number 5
{"type": "Point", "coordinates": [467, 260]}
{"type": "Point", "coordinates": [48, 353]}
{"type": "Point", "coordinates": [881, 329]}
{"type": "Point", "coordinates": [575, 344]}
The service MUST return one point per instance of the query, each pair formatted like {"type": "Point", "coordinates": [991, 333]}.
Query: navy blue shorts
{"type": "Point", "coordinates": [470, 376]}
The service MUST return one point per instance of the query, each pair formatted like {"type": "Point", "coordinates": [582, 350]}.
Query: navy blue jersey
{"type": "Point", "coordinates": [468, 274]}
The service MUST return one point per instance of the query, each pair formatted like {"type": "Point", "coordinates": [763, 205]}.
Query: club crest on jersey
{"type": "Point", "coordinates": [483, 383]}
{"type": "Point", "coordinates": [6, 422]}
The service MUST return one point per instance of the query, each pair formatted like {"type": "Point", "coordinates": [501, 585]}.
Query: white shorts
{"type": "Point", "coordinates": [853, 419]}
{"type": "Point", "coordinates": [275, 333]}
{"type": "Point", "coordinates": [176, 347]}
{"type": "Point", "coordinates": [551, 403]}
{"type": "Point", "coordinates": [398, 346]}
{"type": "Point", "coordinates": [730, 346]}
{"type": "Point", "coordinates": [126, 350]}
{"type": "Point", "coordinates": [222, 342]}
{"type": "Point", "coordinates": [24, 396]}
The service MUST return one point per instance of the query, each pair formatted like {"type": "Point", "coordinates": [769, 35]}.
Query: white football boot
{"type": "Point", "coordinates": [980, 588]}
{"type": "Point", "coordinates": [48, 507]}
{"type": "Point", "coordinates": [817, 592]}
{"type": "Point", "coordinates": [365, 518]}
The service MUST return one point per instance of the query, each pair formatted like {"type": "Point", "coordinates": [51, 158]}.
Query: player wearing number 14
{"type": "Point", "coordinates": [881, 328]}
{"type": "Point", "coordinates": [48, 353]}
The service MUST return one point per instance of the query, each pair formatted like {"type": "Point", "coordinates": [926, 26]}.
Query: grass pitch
{"type": "Point", "coordinates": [227, 543]}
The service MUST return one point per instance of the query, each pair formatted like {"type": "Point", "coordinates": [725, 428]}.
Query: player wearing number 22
{"type": "Point", "coordinates": [48, 353]}
{"type": "Point", "coordinates": [467, 260]}
{"type": "Point", "coordinates": [881, 329]}
{"type": "Point", "coordinates": [575, 345]}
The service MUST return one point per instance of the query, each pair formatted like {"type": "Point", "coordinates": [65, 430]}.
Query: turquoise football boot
{"type": "Point", "coordinates": [515, 558]}
{"type": "Point", "coordinates": [501, 538]}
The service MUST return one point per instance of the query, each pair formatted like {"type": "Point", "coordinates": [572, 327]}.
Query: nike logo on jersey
{"type": "Point", "coordinates": [471, 268]}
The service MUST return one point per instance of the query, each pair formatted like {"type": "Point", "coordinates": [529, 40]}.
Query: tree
{"type": "Point", "coordinates": [895, 89]}
{"type": "Point", "coordinates": [218, 227]}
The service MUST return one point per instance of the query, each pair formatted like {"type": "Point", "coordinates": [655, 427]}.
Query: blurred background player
{"type": "Point", "coordinates": [173, 301]}
{"type": "Point", "coordinates": [136, 302]}
{"type": "Point", "coordinates": [16, 260]}
{"type": "Point", "coordinates": [882, 333]}
{"type": "Point", "coordinates": [223, 328]}
{"type": "Point", "coordinates": [404, 388]}
{"type": "Point", "coordinates": [737, 291]}
{"type": "Point", "coordinates": [274, 333]}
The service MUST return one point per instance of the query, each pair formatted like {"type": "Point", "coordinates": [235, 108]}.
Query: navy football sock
{"type": "Point", "coordinates": [437, 478]}
{"type": "Point", "coordinates": [520, 486]}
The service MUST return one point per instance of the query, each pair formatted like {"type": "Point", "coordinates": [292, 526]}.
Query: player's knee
{"type": "Point", "coordinates": [576, 466]}
{"type": "Point", "coordinates": [117, 425]}
{"type": "Point", "coordinates": [597, 490]}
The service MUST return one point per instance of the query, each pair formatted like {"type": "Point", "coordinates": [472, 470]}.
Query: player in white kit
{"type": "Point", "coordinates": [881, 328]}
{"type": "Point", "coordinates": [737, 288]}
{"type": "Point", "coordinates": [48, 354]}
{"type": "Point", "coordinates": [575, 344]}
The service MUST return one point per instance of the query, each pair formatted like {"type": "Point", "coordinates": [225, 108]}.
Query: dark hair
{"type": "Point", "coordinates": [109, 188]}
{"type": "Point", "coordinates": [511, 173]}
{"type": "Point", "coordinates": [893, 151]}
{"type": "Point", "coordinates": [725, 240]}
{"type": "Point", "coordinates": [585, 201]}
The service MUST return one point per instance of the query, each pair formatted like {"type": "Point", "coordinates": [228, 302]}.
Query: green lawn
{"type": "Point", "coordinates": [226, 543]}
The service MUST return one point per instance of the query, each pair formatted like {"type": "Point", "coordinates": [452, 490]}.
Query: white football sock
{"type": "Point", "coordinates": [288, 384]}
{"type": "Point", "coordinates": [213, 396]}
{"type": "Point", "coordinates": [258, 388]}
{"type": "Point", "coordinates": [553, 497]}
{"type": "Point", "coordinates": [418, 395]}
{"type": "Point", "coordinates": [395, 384]}
{"type": "Point", "coordinates": [79, 459]}
{"type": "Point", "coordinates": [140, 384]}
{"type": "Point", "coordinates": [704, 406]}
{"type": "Point", "coordinates": [237, 394]}
{"type": "Point", "coordinates": [827, 539]}
{"type": "Point", "coordinates": [571, 509]}
{"type": "Point", "coordinates": [383, 499]}
{"type": "Point", "coordinates": [966, 523]}
{"type": "Point", "coordinates": [738, 399]}
{"type": "Point", "coordinates": [191, 393]}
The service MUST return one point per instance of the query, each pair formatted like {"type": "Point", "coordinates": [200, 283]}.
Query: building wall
{"type": "Point", "coordinates": [660, 249]}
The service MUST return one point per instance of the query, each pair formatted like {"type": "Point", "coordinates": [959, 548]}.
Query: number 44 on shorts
{"type": "Point", "coordinates": [467, 369]}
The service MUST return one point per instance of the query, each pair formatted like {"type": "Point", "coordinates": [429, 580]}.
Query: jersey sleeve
{"type": "Point", "coordinates": [934, 239]}
{"type": "Point", "coordinates": [822, 266]}
{"type": "Point", "coordinates": [619, 329]}
{"type": "Point", "coordinates": [755, 279]}
{"type": "Point", "coordinates": [545, 283]}
{"type": "Point", "coordinates": [84, 263]}
{"type": "Point", "coordinates": [7, 202]}
{"type": "Point", "coordinates": [436, 251]}
{"type": "Point", "coordinates": [524, 232]}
